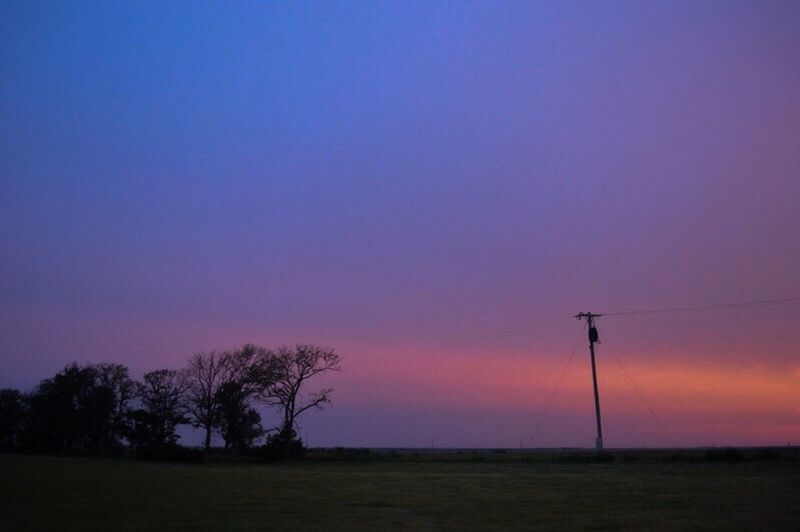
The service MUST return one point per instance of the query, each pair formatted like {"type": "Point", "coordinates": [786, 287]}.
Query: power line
{"type": "Point", "coordinates": [640, 394]}
{"type": "Point", "coordinates": [722, 306]}
{"type": "Point", "coordinates": [503, 335]}
{"type": "Point", "coordinates": [372, 361]}
{"type": "Point", "coordinates": [555, 391]}
{"type": "Point", "coordinates": [663, 310]}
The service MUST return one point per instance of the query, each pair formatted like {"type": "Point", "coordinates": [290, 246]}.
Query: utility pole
{"type": "Point", "coordinates": [594, 337]}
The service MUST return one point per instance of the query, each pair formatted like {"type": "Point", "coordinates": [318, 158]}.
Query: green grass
{"type": "Point", "coordinates": [78, 493]}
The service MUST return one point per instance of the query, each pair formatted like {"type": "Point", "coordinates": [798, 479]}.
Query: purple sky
{"type": "Point", "coordinates": [394, 179]}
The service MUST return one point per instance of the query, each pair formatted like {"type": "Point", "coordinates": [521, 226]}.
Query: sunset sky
{"type": "Point", "coordinates": [431, 188]}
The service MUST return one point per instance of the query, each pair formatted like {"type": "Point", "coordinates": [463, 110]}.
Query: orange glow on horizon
{"type": "Point", "coordinates": [744, 404]}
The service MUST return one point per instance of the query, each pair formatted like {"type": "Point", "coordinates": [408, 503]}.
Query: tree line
{"type": "Point", "coordinates": [100, 409]}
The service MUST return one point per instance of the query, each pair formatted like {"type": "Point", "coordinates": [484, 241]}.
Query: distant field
{"type": "Point", "coordinates": [77, 493]}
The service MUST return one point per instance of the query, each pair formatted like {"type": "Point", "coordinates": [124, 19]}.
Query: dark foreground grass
{"type": "Point", "coordinates": [75, 493]}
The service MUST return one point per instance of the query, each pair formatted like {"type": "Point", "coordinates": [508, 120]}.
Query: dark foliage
{"type": "Point", "coordinates": [80, 409]}
{"type": "Point", "coordinates": [206, 373]}
{"type": "Point", "coordinates": [170, 452]}
{"type": "Point", "coordinates": [162, 397]}
{"type": "Point", "coordinates": [235, 377]}
{"type": "Point", "coordinates": [240, 424]}
{"type": "Point", "coordinates": [115, 378]}
{"type": "Point", "coordinates": [291, 369]}
{"type": "Point", "coordinates": [13, 418]}
{"type": "Point", "coordinates": [88, 409]}
{"type": "Point", "coordinates": [275, 448]}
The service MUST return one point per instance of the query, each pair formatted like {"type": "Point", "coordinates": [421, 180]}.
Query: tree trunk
{"type": "Point", "coordinates": [287, 447]}
{"type": "Point", "coordinates": [287, 440]}
{"type": "Point", "coordinates": [208, 438]}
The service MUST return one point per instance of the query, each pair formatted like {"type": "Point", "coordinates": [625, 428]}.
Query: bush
{"type": "Point", "coordinates": [275, 448]}
{"type": "Point", "coordinates": [170, 452]}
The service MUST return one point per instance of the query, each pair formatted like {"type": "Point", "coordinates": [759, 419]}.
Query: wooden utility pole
{"type": "Point", "coordinates": [594, 337]}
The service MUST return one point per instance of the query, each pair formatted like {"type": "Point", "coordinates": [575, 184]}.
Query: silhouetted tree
{"type": "Point", "coordinates": [251, 371]}
{"type": "Point", "coordinates": [162, 395]}
{"type": "Point", "coordinates": [275, 447]}
{"type": "Point", "coordinates": [244, 373]}
{"type": "Point", "coordinates": [251, 367]}
{"type": "Point", "coordinates": [87, 408]}
{"type": "Point", "coordinates": [13, 417]}
{"type": "Point", "coordinates": [76, 410]}
{"type": "Point", "coordinates": [206, 374]}
{"type": "Point", "coordinates": [292, 369]}
{"type": "Point", "coordinates": [240, 424]}
{"type": "Point", "coordinates": [116, 378]}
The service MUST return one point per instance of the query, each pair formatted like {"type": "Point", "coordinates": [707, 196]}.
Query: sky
{"type": "Point", "coordinates": [433, 189]}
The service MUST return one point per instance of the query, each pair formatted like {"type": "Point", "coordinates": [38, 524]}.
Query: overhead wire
{"type": "Point", "coordinates": [721, 306]}
{"type": "Point", "coordinates": [639, 392]}
{"type": "Point", "coordinates": [555, 390]}
{"type": "Point", "coordinates": [663, 310]}
{"type": "Point", "coordinates": [556, 323]}
{"type": "Point", "coordinates": [508, 334]}
{"type": "Point", "coordinates": [504, 335]}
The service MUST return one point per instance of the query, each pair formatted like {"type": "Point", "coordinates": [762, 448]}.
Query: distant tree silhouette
{"type": "Point", "coordinates": [221, 386]}
{"type": "Point", "coordinates": [292, 369]}
{"type": "Point", "coordinates": [162, 395]}
{"type": "Point", "coordinates": [240, 424]}
{"type": "Point", "coordinates": [253, 371]}
{"type": "Point", "coordinates": [87, 408]}
{"type": "Point", "coordinates": [13, 419]}
{"type": "Point", "coordinates": [275, 448]}
{"type": "Point", "coordinates": [78, 410]}
{"type": "Point", "coordinates": [116, 378]}
{"type": "Point", "coordinates": [206, 373]}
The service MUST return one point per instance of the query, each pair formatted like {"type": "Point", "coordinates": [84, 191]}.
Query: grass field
{"type": "Point", "coordinates": [79, 493]}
